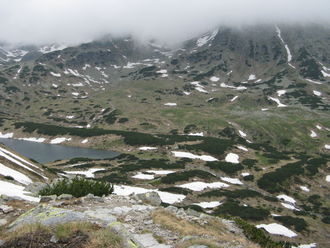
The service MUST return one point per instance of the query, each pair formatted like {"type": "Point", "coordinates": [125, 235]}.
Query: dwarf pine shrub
{"type": "Point", "coordinates": [78, 187]}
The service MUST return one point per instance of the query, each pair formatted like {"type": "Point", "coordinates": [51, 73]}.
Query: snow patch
{"type": "Point", "coordinates": [59, 140]}
{"type": "Point", "coordinates": [252, 77]}
{"type": "Point", "coordinates": [193, 156]}
{"type": "Point", "coordinates": [233, 99]}
{"type": "Point", "coordinates": [279, 104]}
{"type": "Point", "coordinates": [160, 172]}
{"type": "Point", "coordinates": [313, 134]}
{"type": "Point", "coordinates": [14, 190]}
{"type": "Point", "coordinates": [242, 148]}
{"type": "Point", "coordinates": [147, 148]}
{"type": "Point", "coordinates": [285, 45]}
{"type": "Point", "coordinates": [231, 180]}
{"type": "Point", "coordinates": [242, 133]}
{"type": "Point", "coordinates": [200, 186]}
{"type": "Point", "coordinates": [18, 176]}
{"type": "Point", "coordinates": [304, 188]}
{"type": "Point", "coordinates": [286, 198]}
{"type": "Point", "coordinates": [281, 92]}
{"type": "Point", "coordinates": [232, 158]}
{"type": "Point", "coordinates": [171, 104]}
{"type": "Point", "coordinates": [317, 93]}
{"type": "Point", "coordinates": [277, 229]}
{"type": "Point", "coordinates": [214, 79]}
{"type": "Point", "coordinates": [38, 140]}
{"type": "Point", "coordinates": [312, 81]}
{"type": "Point", "coordinates": [55, 74]}
{"type": "Point", "coordinates": [206, 38]}
{"type": "Point", "coordinates": [211, 204]}
{"type": "Point", "coordinates": [166, 197]}
{"type": "Point", "coordinates": [6, 135]}
{"type": "Point", "coordinates": [196, 134]}
{"type": "Point", "coordinates": [89, 173]}
{"type": "Point", "coordinates": [327, 178]}
{"type": "Point", "coordinates": [143, 176]}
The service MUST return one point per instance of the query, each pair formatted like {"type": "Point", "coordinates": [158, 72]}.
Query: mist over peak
{"type": "Point", "coordinates": [168, 21]}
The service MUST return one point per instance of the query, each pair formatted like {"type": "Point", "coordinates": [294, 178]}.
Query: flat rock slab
{"type": "Point", "coordinates": [148, 241]}
{"type": "Point", "coordinates": [48, 216]}
{"type": "Point", "coordinates": [105, 215]}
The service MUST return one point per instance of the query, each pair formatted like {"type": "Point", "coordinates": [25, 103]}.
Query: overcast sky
{"type": "Point", "coordinates": [75, 21]}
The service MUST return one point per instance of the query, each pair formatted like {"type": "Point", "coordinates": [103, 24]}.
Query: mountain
{"type": "Point", "coordinates": [234, 121]}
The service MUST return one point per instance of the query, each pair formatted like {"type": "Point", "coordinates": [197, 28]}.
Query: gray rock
{"type": "Point", "coordinates": [148, 241]}
{"type": "Point", "coordinates": [47, 198]}
{"type": "Point", "coordinates": [54, 239]}
{"type": "Point", "coordinates": [172, 209]}
{"type": "Point", "coordinates": [193, 212]}
{"type": "Point", "coordinates": [198, 246]}
{"type": "Point", "coordinates": [6, 209]}
{"type": "Point", "coordinates": [3, 222]}
{"type": "Point", "coordinates": [129, 241]}
{"type": "Point", "coordinates": [35, 187]}
{"type": "Point", "coordinates": [48, 216]}
{"type": "Point", "coordinates": [151, 198]}
{"type": "Point", "coordinates": [65, 197]}
{"type": "Point", "coordinates": [2, 242]}
{"type": "Point", "coordinates": [102, 214]}
{"type": "Point", "coordinates": [91, 197]}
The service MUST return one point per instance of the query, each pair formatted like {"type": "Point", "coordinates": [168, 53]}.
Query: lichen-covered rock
{"type": "Point", "coordinates": [65, 197]}
{"type": "Point", "coordinates": [47, 198]}
{"type": "Point", "coordinates": [48, 216]}
{"type": "Point", "coordinates": [129, 241]}
{"type": "Point", "coordinates": [151, 198]}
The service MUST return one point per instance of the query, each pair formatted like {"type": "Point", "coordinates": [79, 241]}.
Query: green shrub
{"type": "Point", "coordinates": [226, 167]}
{"type": "Point", "coordinates": [177, 190]}
{"type": "Point", "coordinates": [239, 193]}
{"type": "Point", "coordinates": [185, 176]}
{"type": "Point", "coordinates": [78, 187]}
{"type": "Point", "coordinates": [299, 224]}
{"type": "Point", "coordinates": [272, 181]}
{"type": "Point", "coordinates": [259, 236]}
{"type": "Point", "coordinates": [326, 219]}
{"type": "Point", "coordinates": [247, 213]}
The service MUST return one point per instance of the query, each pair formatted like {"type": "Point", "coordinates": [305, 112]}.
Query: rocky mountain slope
{"type": "Point", "coordinates": [232, 123]}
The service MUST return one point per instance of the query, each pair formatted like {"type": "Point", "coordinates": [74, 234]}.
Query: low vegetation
{"type": "Point", "coordinates": [78, 187]}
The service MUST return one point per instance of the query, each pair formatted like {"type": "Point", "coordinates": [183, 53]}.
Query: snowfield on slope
{"type": "Point", "coordinates": [89, 173]}
{"type": "Point", "coordinates": [59, 140]}
{"type": "Point", "coordinates": [14, 190]}
{"type": "Point", "coordinates": [18, 176]}
{"type": "Point", "coordinates": [193, 156]}
{"type": "Point", "coordinates": [166, 197]}
{"type": "Point", "coordinates": [211, 204]}
{"type": "Point", "coordinates": [200, 186]}
{"type": "Point", "coordinates": [277, 229]}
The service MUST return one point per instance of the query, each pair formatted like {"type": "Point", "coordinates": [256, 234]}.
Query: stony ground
{"type": "Point", "coordinates": [143, 223]}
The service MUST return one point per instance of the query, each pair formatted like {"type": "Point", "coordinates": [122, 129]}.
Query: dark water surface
{"type": "Point", "coordinates": [44, 153]}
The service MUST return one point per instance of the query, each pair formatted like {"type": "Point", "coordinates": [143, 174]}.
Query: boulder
{"type": "Point", "coordinates": [48, 216]}
{"type": "Point", "coordinates": [3, 222]}
{"type": "Point", "coordinates": [47, 198]}
{"type": "Point", "coordinates": [65, 197]}
{"type": "Point", "coordinates": [35, 187]}
{"type": "Point", "coordinates": [151, 198]}
{"type": "Point", "coordinates": [6, 209]}
{"type": "Point", "coordinates": [129, 241]}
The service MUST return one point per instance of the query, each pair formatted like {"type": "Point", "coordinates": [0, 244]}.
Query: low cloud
{"type": "Point", "coordinates": [169, 21]}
